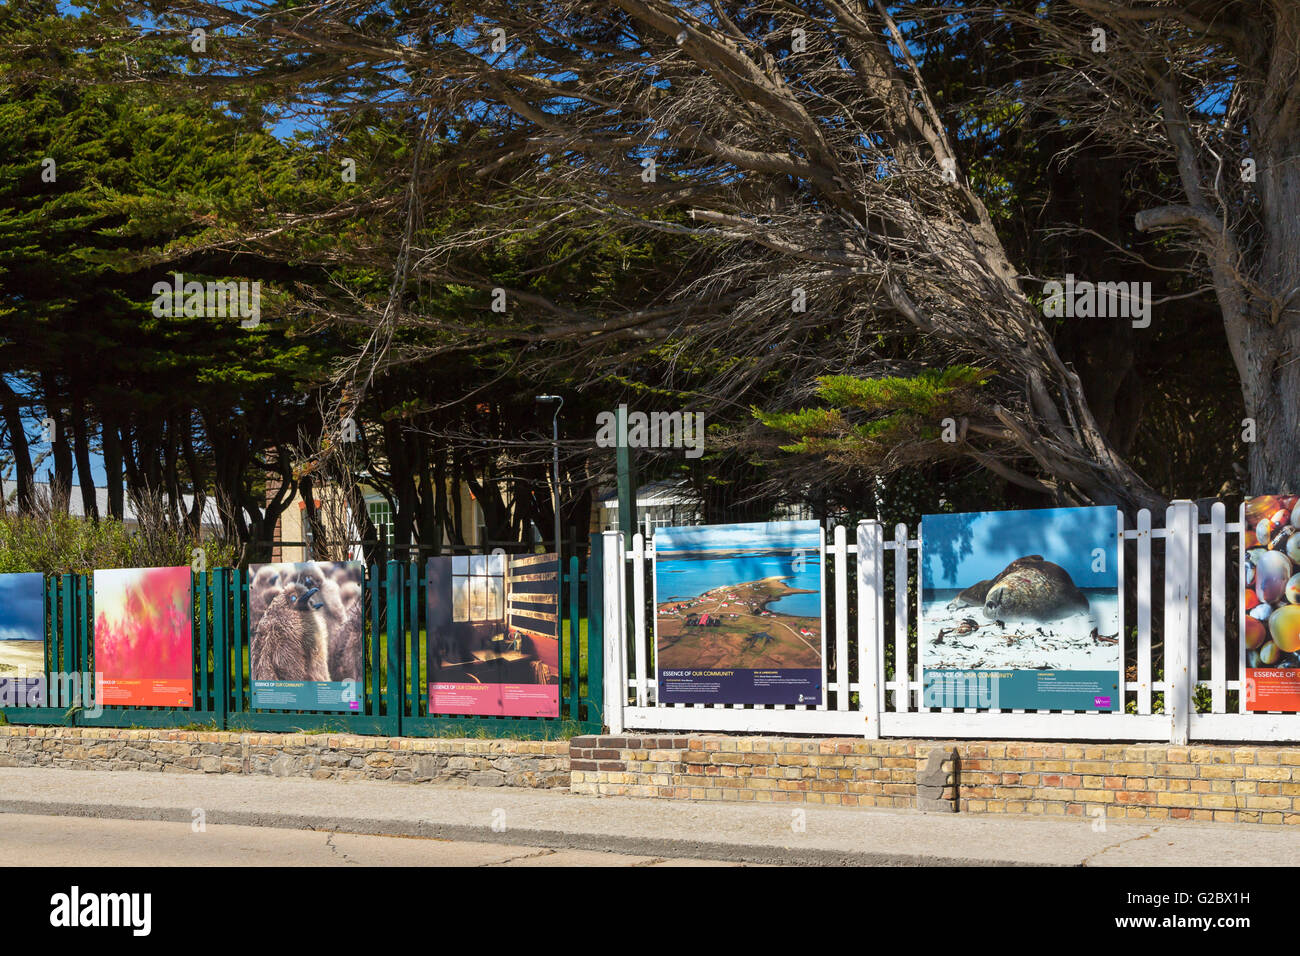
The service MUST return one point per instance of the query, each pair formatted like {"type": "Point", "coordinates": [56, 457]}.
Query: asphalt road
{"type": "Point", "coordinates": [31, 840]}
{"type": "Point", "coordinates": [503, 823]}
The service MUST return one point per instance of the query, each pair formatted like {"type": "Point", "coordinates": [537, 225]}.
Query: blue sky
{"type": "Point", "coordinates": [45, 470]}
{"type": "Point", "coordinates": [960, 549]}
{"type": "Point", "coordinates": [740, 537]}
{"type": "Point", "coordinates": [22, 607]}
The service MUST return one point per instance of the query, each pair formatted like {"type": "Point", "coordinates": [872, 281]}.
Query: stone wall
{"type": "Point", "coordinates": [1258, 784]}
{"type": "Point", "coordinates": [491, 763]}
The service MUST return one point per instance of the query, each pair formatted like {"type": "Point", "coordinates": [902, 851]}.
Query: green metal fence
{"type": "Point", "coordinates": [394, 696]}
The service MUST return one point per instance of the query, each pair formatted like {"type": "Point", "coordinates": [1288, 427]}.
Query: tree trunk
{"type": "Point", "coordinates": [428, 530]}
{"type": "Point", "coordinates": [365, 526]}
{"type": "Point", "coordinates": [402, 470]}
{"type": "Point", "coordinates": [135, 479]}
{"type": "Point", "coordinates": [198, 480]}
{"type": "Point", "coordinates": [440, 499]}
{"type": "Point", "coordinates": [113, 467]}
{"type": "Point", "coordinates": [315, 526]}
{"type": "Point", "coordinates": [81, 449]}
{"type": "Point", "coordinates": [1270, 363]}
{"type": "Point", "coordinates": [12, 410]}
{"type": "Point", "coordinates": [457, 520]}
{"type": "Point", "coordinates": [265, 514]}
{"type": "Point", "coordinates": [61, 486]}
{"type": "Point", "coordinates": [171, 468]}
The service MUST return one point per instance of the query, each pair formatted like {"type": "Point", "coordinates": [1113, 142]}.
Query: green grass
{"type": "Point", "coordinates": [470, 728]}
{"type": "Point", "coordinates": [565, 639]}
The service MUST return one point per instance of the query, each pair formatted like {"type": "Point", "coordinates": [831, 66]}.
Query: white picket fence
{"type": "Point", "coordinates": [891, 706]}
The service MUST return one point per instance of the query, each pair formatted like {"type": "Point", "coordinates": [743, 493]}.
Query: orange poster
{"type": "Point", "coordinates": [144, 643]}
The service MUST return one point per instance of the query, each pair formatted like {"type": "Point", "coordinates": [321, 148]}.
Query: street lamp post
{"type": "Point", "coordinates": [555, 468]}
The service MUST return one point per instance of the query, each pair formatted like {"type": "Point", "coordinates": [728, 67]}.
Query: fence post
{"type": "Point", "coordinates": [220, 645]}
{"type": "Point", "coordinates": [575, 637]}
{"type": "Point", "coordinates": [51, 639]}
{"type": "Point", "coordinates": [370, 679]}
{"type": "Point", "coordinates": [76, 655]}
{"type": "Point", "coordinates": [237, 577]}
{"type": "Point", "coordinates": [413, 688]}
{"type": "Point", "coordinates": [1144, 576]}
{"type": "Point", "coordinates": [85, 639]}
{"type": "Point", "coordinates": [638, 617]}
{"type": "Point", "coordinates": [1180, 540]}
{"type": "Point", "coordinates": [202, 638]}
{"type": "Point", "coordinates": [595, 632]}
{"type": "Point", "coordinates": [871, 624]}
{"type": "Point", "coordinates": [841, 552]}
{"type": "Point", "coordinates": [615, 630]}
{"type": "Point", "coordinates": [392, 694]}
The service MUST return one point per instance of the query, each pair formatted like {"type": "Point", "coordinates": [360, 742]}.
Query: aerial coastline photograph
{"type": "Point", "coordinates": [739, 596]}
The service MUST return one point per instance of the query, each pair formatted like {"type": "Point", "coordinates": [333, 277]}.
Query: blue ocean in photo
{"type": "Point", "coordinates": [684, 579]}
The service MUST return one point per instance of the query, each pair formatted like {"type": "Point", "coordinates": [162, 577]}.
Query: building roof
{"type": "Point", "coordinates": [9, 489]}
{"type": "Point", "coordinates": [668, 492]}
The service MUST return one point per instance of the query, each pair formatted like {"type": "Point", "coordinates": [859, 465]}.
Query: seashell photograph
{"type": "Point", "coordinates": [1271, 602]}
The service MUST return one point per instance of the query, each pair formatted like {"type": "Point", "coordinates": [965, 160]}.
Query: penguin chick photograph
{"type": "Point", "coordinates": [306, 621]}
{"type": "Point", "coordinates": [340, 601]}
{"type": "Point", "coordinates": [291, 641]}
{"type": "Point", "coordinates": [262, 590]}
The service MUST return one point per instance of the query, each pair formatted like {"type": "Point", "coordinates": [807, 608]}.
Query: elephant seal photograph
{"type": "Point", "coordinates": [1028, 588]}
{"type": "Point", "coordinates": [1030, 599]}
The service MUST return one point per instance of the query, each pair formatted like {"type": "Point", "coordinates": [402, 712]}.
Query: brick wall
{"type": "Point", "coordinates": [849, 772]}
{"type": "Point", "coordinates": [493, 763]}
{"type": "Point", "coordinates": [1138, 781]}
{"type": "Point", "coordinates": [1258, 784]}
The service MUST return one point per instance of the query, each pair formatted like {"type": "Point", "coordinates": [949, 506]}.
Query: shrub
{"type": "Point", "coordinates": [49, 540]}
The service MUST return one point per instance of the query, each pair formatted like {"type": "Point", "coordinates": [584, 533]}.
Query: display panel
{"type": "Point", "coordinates": [144, 640]}
{"type": "Point", "coordinates": [494, 635]}
{"type": "Point", "coordinates": [739, 614]}
{"type": "Point", "coordinates": [1020, 610]}
{"type": "Point", "coordinates": [306, 624]}
{"type": "Point", "coordinates": [22, 640]}
{"type": "Point", "coordinates": [1270, 602]}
